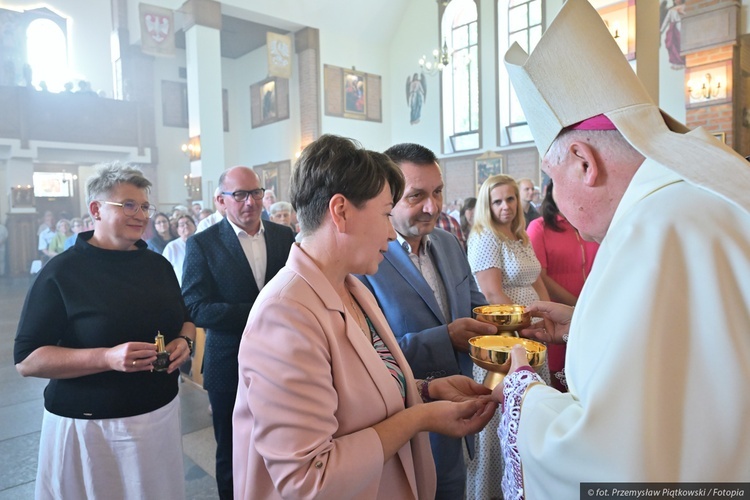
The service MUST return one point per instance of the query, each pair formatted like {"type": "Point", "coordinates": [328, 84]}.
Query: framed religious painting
{"type": "Point", "coordinates": [174, 104]}
{"type": "Point", "coordinates": [355, 94]}
{"type": "Point", "coordinates": [269, 101]}
{"type": "Point", "coordinates": [485, 166]}
{"type": "Point", "coordinates": [269, 176]}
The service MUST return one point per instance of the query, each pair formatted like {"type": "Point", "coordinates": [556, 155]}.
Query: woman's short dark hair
{"type": "Point", "coordinates": [337, 165]}
{"type": "Point", "coordinates": [550, 210]}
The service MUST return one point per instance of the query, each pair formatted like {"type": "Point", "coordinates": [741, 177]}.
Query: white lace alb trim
{"type": "Point", "coordinates": [515, 387]}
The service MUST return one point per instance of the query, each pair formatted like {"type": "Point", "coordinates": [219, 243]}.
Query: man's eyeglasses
{"type": "Point", "coordinates": [130, 208]}
{"type": "Point", "coordinates": [240, 196]}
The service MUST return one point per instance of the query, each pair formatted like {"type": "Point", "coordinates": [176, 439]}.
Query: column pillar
{"type": "Point", "coordinates": [647, 45]}
{"type": "Point", "coordinates": [21, 221]}
{"type": "Point", "coordinates": [307, 47]}
{"type": "Point", "coordinates": [205, 109]}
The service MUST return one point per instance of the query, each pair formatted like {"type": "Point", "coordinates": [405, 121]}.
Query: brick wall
{"type": "Point", "coordinates": [523, 163]}
{"type": "Point", "coordinates": [460, 176]}
{"type": "Point", "coordinates": [307, 46]}
{"type": "Point", "coordinates": [709, 56]}
{"type": "Point", "coordinates": [691, 5]}
{"type": "Point", "coordinates": [308, 97]}
{"type": "Point", "coordinates": [714, 117]}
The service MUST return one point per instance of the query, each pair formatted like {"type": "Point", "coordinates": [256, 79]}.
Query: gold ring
{"type": "Point", "coordinates": [133, 362]}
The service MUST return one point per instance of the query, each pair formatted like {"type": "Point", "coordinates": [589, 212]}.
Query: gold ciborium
{"type": "Point", "coordinates": [492, 352]}
{"type": "Point", "coordinates": [507, 318]}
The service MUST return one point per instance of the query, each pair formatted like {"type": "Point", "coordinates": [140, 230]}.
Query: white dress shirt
{"type": "Point", "coordinates": [255, 250]}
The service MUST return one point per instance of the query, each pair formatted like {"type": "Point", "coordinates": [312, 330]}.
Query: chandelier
{"type": "Point", "coordinates": [440, 60]}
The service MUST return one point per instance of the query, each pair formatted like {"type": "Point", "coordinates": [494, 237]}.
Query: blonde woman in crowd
{"type": "Point", "coordinates": [76, 226]}
{"type": "Point", "coordinates": [57, 243]}
{"type": "Point", "coordinates": [507, 272]}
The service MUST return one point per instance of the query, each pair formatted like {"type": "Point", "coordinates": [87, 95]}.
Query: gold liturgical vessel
{"type": "Point", "coordinates": [162, 355]}
{"type": "Point", "coordinates": [492, 352]}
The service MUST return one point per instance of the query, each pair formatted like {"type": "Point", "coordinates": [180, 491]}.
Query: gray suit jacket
{"type": "Point", "coordinates": [219, 290]}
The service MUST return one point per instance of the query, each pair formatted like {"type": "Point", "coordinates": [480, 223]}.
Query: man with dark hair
{"type": "Point", "coordinates": [225, 268]}
{"type": "Point", "coordinates": [427, 292]}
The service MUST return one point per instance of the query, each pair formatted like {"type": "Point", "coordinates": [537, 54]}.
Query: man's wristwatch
{"type": "Point", "coordinates": [189, 341]}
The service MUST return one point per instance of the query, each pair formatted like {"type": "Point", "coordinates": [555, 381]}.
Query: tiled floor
{"type": "Point", "coordinates": [21, 407]}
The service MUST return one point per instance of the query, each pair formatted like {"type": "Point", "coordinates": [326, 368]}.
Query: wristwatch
{"type": "Point", "coordinates": [189, 341]}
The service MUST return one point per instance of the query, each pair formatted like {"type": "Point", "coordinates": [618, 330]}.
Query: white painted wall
{"type": "Point", "coordinates": [168, 188]}
{"type": "Point", "coordinates": [254, 146]}
{"type": "Point", "coordinates": [416, 35]}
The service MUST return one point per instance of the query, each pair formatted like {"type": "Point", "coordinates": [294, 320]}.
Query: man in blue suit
{"type": "Point", "coordinates": [225, 267]}
{"type": "Point", "coordinates": [427, 292]}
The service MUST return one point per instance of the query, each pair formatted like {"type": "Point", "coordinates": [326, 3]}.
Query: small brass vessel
{"type": "Point", "coordinates": [507, 318]}
{"type": "Point", "coordinates": [492, 352]}
{"type": "Point", "coordinates": [162, 355]}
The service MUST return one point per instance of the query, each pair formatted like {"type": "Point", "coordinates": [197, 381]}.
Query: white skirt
{"type": "Point", "coordinates": [136, 457]}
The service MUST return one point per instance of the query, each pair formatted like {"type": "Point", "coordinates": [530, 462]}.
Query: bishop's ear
{"type": "Point", "coordinates": [585, 162]}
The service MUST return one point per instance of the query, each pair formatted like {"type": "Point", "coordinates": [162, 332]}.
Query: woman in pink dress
{"type": "Point", "coordinates": [566, 261]}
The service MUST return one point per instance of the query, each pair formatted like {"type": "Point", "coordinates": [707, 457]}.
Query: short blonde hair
{"type": "Point", "coordinates": [110, 175]}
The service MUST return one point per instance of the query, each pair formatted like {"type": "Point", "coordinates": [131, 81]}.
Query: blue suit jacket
{"type": "Point", "coordinates": [219, 290]}
{"type": "Point", "coordinates": [413, 312]}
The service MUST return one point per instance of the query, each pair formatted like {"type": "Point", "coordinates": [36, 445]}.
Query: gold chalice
{"type": "Point", "coordinates": [492, 352]}
{"type": "Point", "coordinates": [507, 318]}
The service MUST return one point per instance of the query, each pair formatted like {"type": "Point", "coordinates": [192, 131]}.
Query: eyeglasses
{"type": "Point", "coordinates": [185, 224]}
{"type": "Point", "coordinates": [240, 196]}
{"type": "Point", "coordinates": [130, 208]}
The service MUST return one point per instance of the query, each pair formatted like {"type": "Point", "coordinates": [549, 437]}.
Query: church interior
{"type": "Point", "coordinates": [186, 89]}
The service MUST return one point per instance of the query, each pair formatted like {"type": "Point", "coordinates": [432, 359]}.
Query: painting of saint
{"type": "Point", "coordinates": [354, 93]}
{"type": "Point", "coordinates": [268, 101]}
{"type": "Point", "coordinates": [671, 25]}
{"type": "Point", "coordinates": [416, 94]}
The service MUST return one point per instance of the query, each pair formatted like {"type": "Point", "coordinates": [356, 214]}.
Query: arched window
{"type": "Point", "coordinates": [461, 115]}
{"type": "Point", "coordinates": [47, 53]}
{"type": "Point", "coordinates": [519, 21]}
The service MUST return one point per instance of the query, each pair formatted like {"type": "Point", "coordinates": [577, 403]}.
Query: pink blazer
{"type": "Point", "coordinates": [311, 387]}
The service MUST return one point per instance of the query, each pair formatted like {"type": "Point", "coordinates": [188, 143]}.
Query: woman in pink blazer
{"type": "Point", "coordinates": [327, 406]}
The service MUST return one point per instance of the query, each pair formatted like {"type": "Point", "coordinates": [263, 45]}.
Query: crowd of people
{"type": "Point", "coordinates": [337, 350]}
{"type": "Point", "coordinates": [165, 234]}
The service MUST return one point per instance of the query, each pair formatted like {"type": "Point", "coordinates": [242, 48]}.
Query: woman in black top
{"type": "Point", "coordinates": [111, 426]}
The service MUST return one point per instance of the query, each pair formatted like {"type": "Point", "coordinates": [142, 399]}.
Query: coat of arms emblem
{"type": "Point", "coordinates": [158, 27]}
